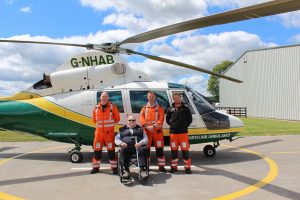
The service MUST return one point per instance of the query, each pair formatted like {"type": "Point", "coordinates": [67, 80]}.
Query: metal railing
{"type": "Point", "coordinates": [236, 111]}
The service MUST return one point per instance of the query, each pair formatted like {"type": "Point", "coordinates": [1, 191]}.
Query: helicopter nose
{"type": "Point", "coordinates": [235, 122]}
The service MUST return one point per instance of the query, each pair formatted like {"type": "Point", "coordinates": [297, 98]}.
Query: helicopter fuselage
{"type": "Point", "coordinates": [66, 117]}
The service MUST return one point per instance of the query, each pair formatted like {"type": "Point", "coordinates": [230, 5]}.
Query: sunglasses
{"type": "Point", "coordinates": [131, 120]}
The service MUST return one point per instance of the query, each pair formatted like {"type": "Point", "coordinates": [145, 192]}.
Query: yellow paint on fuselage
{"type": "Point", "coordinates": [60, 111]}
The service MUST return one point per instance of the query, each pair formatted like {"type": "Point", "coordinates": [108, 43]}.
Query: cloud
{"type": "Point", "coordinates": [8, 88]}
{"type": "Point", "coordinates": [295, 38]}
{"type": "Point", "coordinates": [26, 9]}
{"type": "Point", "coordinates": [9, 1]}
{"type": "Point", "coordinates": [196, 82]}
{"type": "Point", "coordinates": [138, 15]}
{"type": "Point", "coordinates": [291, 20]}
{"type": "Point", "coordinates": [234, 3]}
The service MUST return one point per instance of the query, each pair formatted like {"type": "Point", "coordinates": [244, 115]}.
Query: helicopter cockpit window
{"type": "Point", "coordinates": [201, 104]}
{"type": "Point", "coordinates": [115, 97]}
{"type": "Point", "coordinates": [185, 100]}
{"type": "Point", "coordinates": [139, 99]}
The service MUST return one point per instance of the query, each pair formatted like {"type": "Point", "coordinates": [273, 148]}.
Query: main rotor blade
{"type": "Point", "coordinates": [256, 11]}
{"type": "Point", "coordinates": [52, 43]}
{"type": "Point", "coordinates": [165, 60]}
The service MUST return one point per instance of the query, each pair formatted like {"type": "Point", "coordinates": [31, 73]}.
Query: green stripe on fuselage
{"type": "Point", "coordinates": [24, 117]}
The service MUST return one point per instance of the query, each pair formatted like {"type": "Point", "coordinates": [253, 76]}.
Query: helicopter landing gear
{"type": "Point", "coordinates": [210, 150]}
{"type": "Point", "coordinates": [75, 155]}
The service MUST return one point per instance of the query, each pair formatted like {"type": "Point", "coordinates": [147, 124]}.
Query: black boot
{"type": "Point", "coordinates": [188, 171]}
{"type": "Point", "coordinates": [162, 169]}
{"type": "Point", "coordinates": [94, 170]}
{"type": "Point", "coordinates": [173, 170]}
{"type": "Point", "coordinates": [115, 171]}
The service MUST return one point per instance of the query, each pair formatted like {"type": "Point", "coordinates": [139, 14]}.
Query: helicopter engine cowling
{"type": "Point", "coordinates": [94, 77]}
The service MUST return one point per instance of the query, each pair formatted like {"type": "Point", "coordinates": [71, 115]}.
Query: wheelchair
{"type": "Point", "coordinates": [133, 162]}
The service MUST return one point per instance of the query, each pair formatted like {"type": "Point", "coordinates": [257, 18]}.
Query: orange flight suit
{"type": "Point", "coordinates": [105, 120]}
{"type": "Point", "coordinates": [154, 116]}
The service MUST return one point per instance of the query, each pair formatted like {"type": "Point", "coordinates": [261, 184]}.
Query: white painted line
{"type": "Point", "coordinates": [107, 167]}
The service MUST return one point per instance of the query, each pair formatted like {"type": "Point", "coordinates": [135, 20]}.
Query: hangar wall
{"type": "Point", "coordinates": [271, 83]}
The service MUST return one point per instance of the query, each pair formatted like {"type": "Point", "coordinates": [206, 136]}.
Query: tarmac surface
{"type": "Point", "coordinates": [262, 167]}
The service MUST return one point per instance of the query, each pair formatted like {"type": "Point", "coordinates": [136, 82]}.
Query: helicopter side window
{"type": "Point", "coordinates": [139, 99]}
{"type": "Point", "coordinates": [185, 100]}
{"type": "Point", "coordinates": [115, 97]}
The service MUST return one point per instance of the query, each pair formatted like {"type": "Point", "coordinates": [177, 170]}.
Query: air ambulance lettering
{"type": "Point", "coordinates": [92, 61]}
{"type": "Point", "coordinates": [212, 136]}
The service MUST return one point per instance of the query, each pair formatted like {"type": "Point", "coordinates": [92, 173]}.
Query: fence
{"type": "Point", "coordinates": [236, 111]}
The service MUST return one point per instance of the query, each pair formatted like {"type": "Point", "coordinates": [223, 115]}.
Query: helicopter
{"type": "Point", "coordinates": [59, 106]}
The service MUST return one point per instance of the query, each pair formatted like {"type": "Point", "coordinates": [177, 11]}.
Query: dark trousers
{"type": "Point", "coordinates": [127, 152]}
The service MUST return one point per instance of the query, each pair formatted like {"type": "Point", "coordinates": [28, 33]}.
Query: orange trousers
{"type": "Point", "coordinates": [181, 140]}
{"type": "Point", "coordinates": [102, 139]}
{"type": "Point", "coordinates": [158, 138]}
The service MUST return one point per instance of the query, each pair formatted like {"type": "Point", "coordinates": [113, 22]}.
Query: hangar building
{"type": "Point", "coordinates": [271, 83]}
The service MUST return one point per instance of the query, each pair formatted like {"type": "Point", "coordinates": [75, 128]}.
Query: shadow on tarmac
{"type": "Point", "coordinates": [42, 178]}
{"type": "Point", "coordinates": [155, 178]}
{"type": "Point", "coordinates": [7, 148]}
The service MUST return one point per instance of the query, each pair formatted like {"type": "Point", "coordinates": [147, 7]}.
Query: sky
{"type": "Point", "coordinates": [101, 21]}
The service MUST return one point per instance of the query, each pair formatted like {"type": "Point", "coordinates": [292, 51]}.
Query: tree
{"type": "Point", "coordinates": [213, 82]}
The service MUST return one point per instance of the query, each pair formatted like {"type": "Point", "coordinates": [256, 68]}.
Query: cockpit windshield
{"type": "Point", "coordinates": [201, 104]}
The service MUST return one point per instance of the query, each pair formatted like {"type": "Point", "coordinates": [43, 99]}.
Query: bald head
{"type": "Point", "coordinates": [104, 98]}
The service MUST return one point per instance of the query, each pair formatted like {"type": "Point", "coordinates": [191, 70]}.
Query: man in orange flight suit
{"type": "Point", "coordinates": [105, 116]}
{"type": "Point", "coordinates": [152, 119]}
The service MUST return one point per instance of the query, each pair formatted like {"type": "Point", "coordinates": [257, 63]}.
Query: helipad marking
{"type": "Point", "coordinates": [287, 152]}
{"type": "Point", "coordinates": [273, 172]}
{"type": "Point", "coordinates": [4, 196]}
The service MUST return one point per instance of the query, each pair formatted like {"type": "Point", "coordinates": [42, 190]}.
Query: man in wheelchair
{"type": "Point", "coordinates": [132, 140]}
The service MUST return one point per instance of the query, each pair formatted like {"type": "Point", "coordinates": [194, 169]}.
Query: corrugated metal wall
{"type": "Point", "coordinates": [271, 83]}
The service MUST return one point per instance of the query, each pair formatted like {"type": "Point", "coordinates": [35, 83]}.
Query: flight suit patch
{"type": "Point", "coordinates": [173, 144]}
{"type": "Point", "coordinates": [158, 143]}
{"type": "Point", "coordinates": [98, 144]}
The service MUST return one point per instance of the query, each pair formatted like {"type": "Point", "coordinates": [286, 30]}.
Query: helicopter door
{"type": "Point", "coordinates": [197, 120]}
{"type": "Point", "coordinates": [138, 99]}
{"type": "Point", "coordinates": [116, 97]}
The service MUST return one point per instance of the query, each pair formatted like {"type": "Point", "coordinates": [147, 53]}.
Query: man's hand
{"type": "Point", "coordinates": [150, 128]}
{"type": "Point", "coordinates": [123, 144]}
{"type": "Point", "coordinates": [137, 145]}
